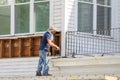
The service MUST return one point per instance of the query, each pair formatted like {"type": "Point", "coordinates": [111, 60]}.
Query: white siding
{"type": "Point", "coordinates": [115, 13]}
{"type": "Point", "coordinates": [72, 14]}
{"type": "Point", "coordinates": [119, 13]}
{"type": "Point", "coordinates": [56, 13]}
{"type": "Point", "coordinates": [118, 17]}
{"type": "Point", "coordinates": [64, 12]}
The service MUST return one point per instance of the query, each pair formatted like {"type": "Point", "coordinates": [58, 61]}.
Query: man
{"type": "Point", "coordinates": [43, 51]}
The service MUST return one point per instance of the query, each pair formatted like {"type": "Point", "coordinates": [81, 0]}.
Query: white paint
{"type": "Point", "coordinates": [72, 6]}
{"type": "Point", "coordinates": [32, 19]}
{"type": "Point", "coordinates": [94, 16]}
{"type": "Point", "coordinates": [51, 13]}
{"type": "Point", "coordinates": [118, 13]}
{"type": "Point", "coordinates": [12, 31]}
{"type": "Point", "coordinates": [64, 27]}
{"type": "Point", "coordinates": [56, 13]}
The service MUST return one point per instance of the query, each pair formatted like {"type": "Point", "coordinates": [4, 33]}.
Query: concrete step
{"type": "Point", "coordinates": [59, 77]}
{"type": "Point", "coordinates": [63, 77]}
{"type": "Point", "coordinates": [62, 66]}
{"type": "Point", "coordinates": [89, 65]}
{"type": "Point", "coordinates": [22, 67]}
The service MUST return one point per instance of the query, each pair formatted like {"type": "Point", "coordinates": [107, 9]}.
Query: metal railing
{"type": "Point", "coordinates": [92, 43]}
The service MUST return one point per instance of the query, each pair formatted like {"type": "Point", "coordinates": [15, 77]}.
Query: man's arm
{"type": "Point", "coordinates": [52, 44]}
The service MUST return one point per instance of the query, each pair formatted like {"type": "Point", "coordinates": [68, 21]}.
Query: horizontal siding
{"type": "Point", "coordinates": [71, 14]}
{"type": "Point", "coordinates": [57, 15]}
{"type": "Point", "coordinates": [119, 13]}
{"type": "Point", "coordinates": [118, 17]}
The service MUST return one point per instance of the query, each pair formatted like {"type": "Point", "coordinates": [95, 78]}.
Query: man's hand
{"type": "Point", "coordinates": [52, 44]}
{"type": "Point", "coordinates": [57, 48]}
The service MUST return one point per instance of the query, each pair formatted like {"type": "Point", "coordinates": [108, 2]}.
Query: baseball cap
{"type": "Point", "coordinates": [53, 28]}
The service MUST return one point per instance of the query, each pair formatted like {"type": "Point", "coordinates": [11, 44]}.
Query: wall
{"type": "Point", "coordinates": [64, 12]}
{"type": "Point", "coordinates": [90, 43]}
{"type": "Point", "coordinates": [119, 17]}
{"type": "Point", "coordinates": [56, 13]}
{"type": "Point", "coordinates": [72, 14]}
{"type": "Point", "coordinates": [118, 5]}
{"type": "Point", "coordinates": [116, 16]}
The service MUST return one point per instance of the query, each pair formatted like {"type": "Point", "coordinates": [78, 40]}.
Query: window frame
{"type": "Point", "coordinates": [29, 18]}
{"type": "Point", "coordinates": [95, 5]}
{"type": "Point", "coordinates": [41, 32]}
{"type": "Point", "coordinates": [7, 5]}
{"type": "Point", "coordinates": [31, 3]}
{"type": "Point", "coordinates": [89, 3]}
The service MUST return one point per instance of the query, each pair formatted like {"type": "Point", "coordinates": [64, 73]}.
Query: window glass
{"type": "Point", "coordinates": [21, 1]}
{"type": "Point", "coordinates": [41, 16]}
{"type": "Point", "coordinates": [22, 18]}
{"type": "Point", "coordinates": [5, 2]}
{"type": "Point", "coordinates": [103, 20]}
{"type": "Point", "coordinates": [104, 2]}
{"type": "Point", "coordinates": [40, 0]}
{"type": "Point", "coordinates": [87, 0]}
{"type": "Point", "coordinates": [4, 20]}
{"type": "Point", "coordinates": [85, 17]}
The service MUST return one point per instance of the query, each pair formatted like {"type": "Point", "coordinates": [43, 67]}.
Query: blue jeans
{"type": "Point", "coordinates": [43, 63]}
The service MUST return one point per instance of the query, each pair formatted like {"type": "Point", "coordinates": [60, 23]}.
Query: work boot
{"type": "Point", "coordinates": [49, 74]}
{"type": "Point", "coordinates": [38, 74]}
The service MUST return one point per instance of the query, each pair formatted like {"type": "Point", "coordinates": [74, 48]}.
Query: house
{"type": "Point", "coordinates": [86, 27]}
{"type": "Point", "coordinates": [32, 17]}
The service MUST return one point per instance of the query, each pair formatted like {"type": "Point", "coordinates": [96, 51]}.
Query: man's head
{"type": "Point", "coordinates": [52, 29]}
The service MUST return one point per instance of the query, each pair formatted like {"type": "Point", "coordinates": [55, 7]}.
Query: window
{"type": "Point", "coordinates": [86, 0]}
{"type": "Point", "coordinates": [39, 0]}
{"type": "Point", "coordinates": [104, 2]}
{"type": "Point", "coordinates": [103, 17]}
{"type": "Point", "coordinates": [41, 12]}
{"type": "Point", "coordinates": [22, 14]}
{"type": "Point", "coordinates": [5, 20]}
{"type": "Point", "coordinates": [21, 1]}
{"type": "Point", "coordinates": [85, 16]}
{"type": "Point", "coordinates": [5, 2]}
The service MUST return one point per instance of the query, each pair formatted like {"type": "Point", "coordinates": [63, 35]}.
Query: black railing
{"type": "Point", "coordinates": [97, 42]}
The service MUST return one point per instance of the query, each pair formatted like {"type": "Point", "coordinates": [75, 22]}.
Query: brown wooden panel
{"type": "Point", "coordinates": [25, 47]}
{"type": "Point", "coordinates": [15, 48]}
{"type": "Point", "coordinates": [1, 49]}
{"type": "Point", "coordinates": [36, 40]}
{"type": "Point", "coordinates": [35, 50]}
{"type": "Point", "coordinates": [35, 46]}
{"type": "Point", "coordinates": [7, 48]}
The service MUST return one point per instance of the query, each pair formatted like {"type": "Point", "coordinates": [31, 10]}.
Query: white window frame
{"type": "Point", "coordinates": [12, 5]}
{"type": "Point", "coordinates": [95, 14]}
{"type": "Point", "coordinates": [15, 4]}
{"type": "Point", "coordinates": [41, 32]}
{"type": "Point", "coordinates": [10, 19]}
